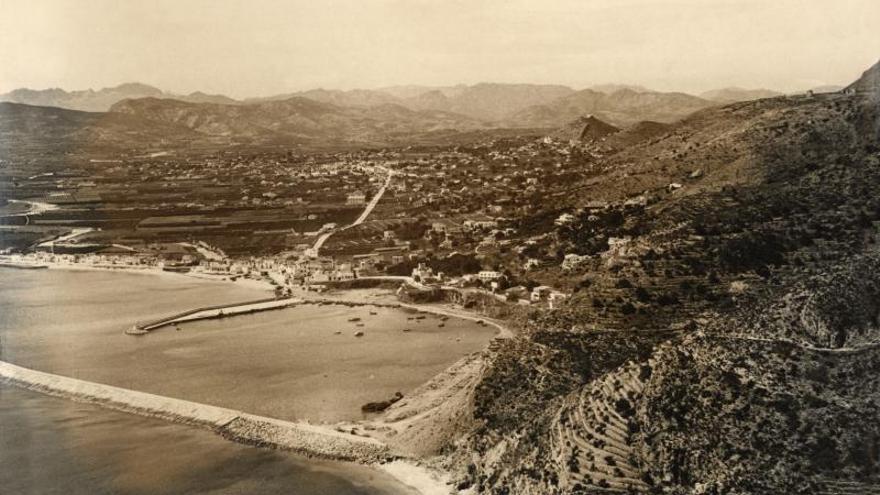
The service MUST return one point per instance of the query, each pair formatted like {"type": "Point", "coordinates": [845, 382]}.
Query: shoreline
{"type": "Point", "coordinates": [298, 437]}
{"type": "Point", "coordinates": [153, 270]}
{"type": "Point", "coordinates": [301, 438]}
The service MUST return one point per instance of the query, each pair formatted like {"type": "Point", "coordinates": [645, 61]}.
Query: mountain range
{"type": "Point", "coordinates": [295, 118]}
{"type": "Point", "coordinates": [490, 102]}
{"type": "Point", "coordinates": [134, 114]}
{"type": "Point", "coordinates": [101, 100]}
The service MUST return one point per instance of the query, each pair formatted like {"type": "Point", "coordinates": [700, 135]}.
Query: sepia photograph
{"type": "Point", "coordinates": [439, 247]}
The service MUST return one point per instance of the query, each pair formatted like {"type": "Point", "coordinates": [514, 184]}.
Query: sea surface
{"type": "Point", "coordinates": [54, 446]}
{"type": "Point", "coordinates": [303, 362]}
{"type": "Point", "coordinates": [299, 363]}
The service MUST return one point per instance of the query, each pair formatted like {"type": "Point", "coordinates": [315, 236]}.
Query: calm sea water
{"type": "Point", "coordinates": [303, 362]}
{"type": "Point", "coordinates": [54, 446]}
{"type": "Point", "coordinates": [289, 364]}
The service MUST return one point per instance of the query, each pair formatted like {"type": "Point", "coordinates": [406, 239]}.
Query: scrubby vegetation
{"type": "Point", "coordinates": [722, 337]}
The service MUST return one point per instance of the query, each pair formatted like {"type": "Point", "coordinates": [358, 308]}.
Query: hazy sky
{"type": "Point", "coordinates": [261, 47]}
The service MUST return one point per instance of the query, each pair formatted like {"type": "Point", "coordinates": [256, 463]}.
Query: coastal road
{"type": "Point", "coordinates": [399, 278]}
{"type": "Point", "coordinates": [73, 234]}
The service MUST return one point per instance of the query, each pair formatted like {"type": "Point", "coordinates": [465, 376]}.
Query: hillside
{"type": "Point", "coordinates": [621, 108]}
{"type": "Point", "coordinates": [587, 128]}
{"type": "Point", "coordinates": [101, 100]}
{"type": "Point", "coordinates": [638, 132]}
{"type": "Point", "coordinates": [869, 82]}
{"type": "Point", "coordinates": [26, 127]}
{"type": "Point", "coordinates": [723, 335]}
{"type": "Point", "coordinates": [294, 119]}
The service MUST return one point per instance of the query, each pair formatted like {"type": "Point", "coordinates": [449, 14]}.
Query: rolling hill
{"type": "Point", "coordinates": [24, 127]}
{"type": "Point", "coordinates": [621, 108]}
{"type": "Point", "coordinates": [296, 119]}
{"type": "Point", "coordinates": [733, 95]}
{"type": "Point", "coordinates": [101, 100]}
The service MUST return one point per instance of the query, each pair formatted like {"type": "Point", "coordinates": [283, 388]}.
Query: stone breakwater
{"type": "Point", "coordinates": [212, 312]}
{"type": "Point", "coordinates": [302, 438]}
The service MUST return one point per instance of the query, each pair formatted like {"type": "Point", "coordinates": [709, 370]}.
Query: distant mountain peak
{"type": "Point", "coordinates": [135, 87]}
{"type": "Point", "coordinates": [613, 88]}
{"type": "Point", "coordinates": [102, 100]}
{"type": "Point", "coordinates": [585, 128]}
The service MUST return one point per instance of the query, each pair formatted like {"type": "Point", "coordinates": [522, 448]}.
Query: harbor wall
{"type": "Point", "coordinates": [147, 326]}
{"type": "Point", "coordinates": [302, 438]}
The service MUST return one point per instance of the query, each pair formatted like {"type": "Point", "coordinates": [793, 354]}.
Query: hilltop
{"type": "Point", "coordinates": [869, 82]}
{"type": "Point", "coordinates": [587, 128]}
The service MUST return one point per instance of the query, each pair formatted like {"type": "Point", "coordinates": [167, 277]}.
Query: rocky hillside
{"type": "Point", "coordinates": [869, 82]}
{"type": "Point", "coordinates": [587, 128]}
{"type": "Point", "coordinates": [724, 335]}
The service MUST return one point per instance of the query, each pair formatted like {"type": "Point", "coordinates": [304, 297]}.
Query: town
{"type": "Point", "coordinates": [464, 217]}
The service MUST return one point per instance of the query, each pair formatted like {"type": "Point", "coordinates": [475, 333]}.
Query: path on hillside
{"type": "Point", "coordinates": [73, 234]}
{"type": "Point", "coordinates": [867, 346]}
{"type": "Point", "coordinates": [366, 213]}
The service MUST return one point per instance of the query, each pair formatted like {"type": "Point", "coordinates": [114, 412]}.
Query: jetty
{"type": "Point", "coordinates": [303, 438]}
{"type": "Point", "coordinates": [212, 312]}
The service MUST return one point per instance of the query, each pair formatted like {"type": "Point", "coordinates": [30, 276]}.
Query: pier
{"type": "Point", "coordinates": [212, 312]}
{"type": "Point", "coordinates": [302, 438]}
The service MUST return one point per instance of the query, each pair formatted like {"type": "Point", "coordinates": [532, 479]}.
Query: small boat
{"type": "Point", "coordinates": [373, 313]}
{"type": "Point", "coordinates": [360, 324]}
{"type": "Point", "coordinates": [23, 266]}
{"type": "Point", "coordinates": [359, 334]}
{"type": "Point", "coordinates": [354, 319]}
{"type": "Point", "coordinates": [406, 330]}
